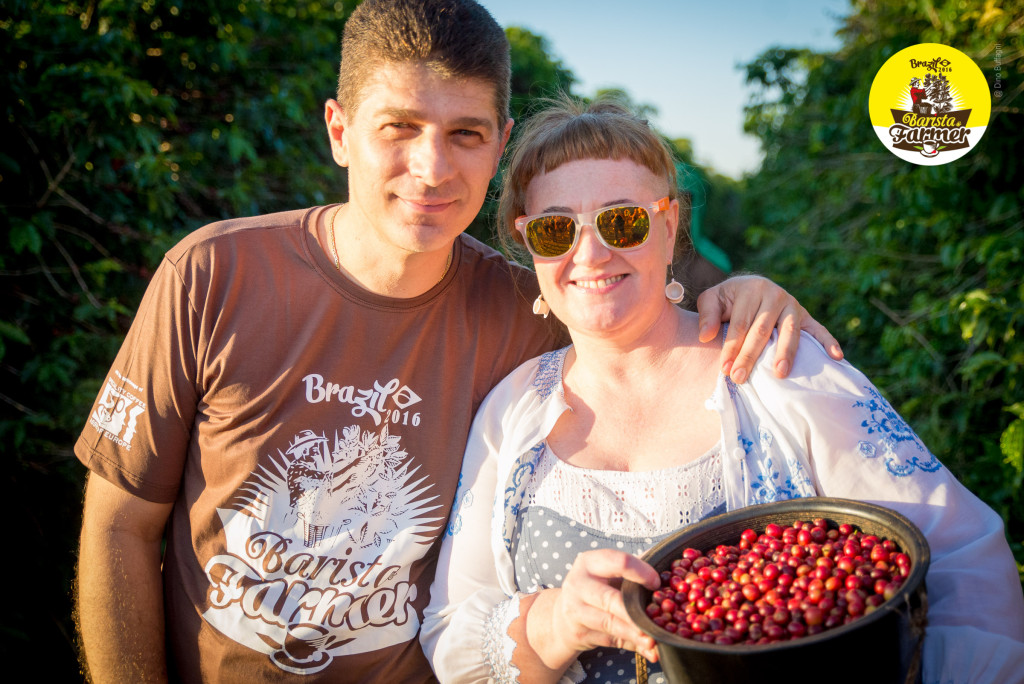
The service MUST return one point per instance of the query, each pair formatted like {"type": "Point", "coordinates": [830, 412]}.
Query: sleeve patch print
{"type": "Point", "coordinates": [118, 411]}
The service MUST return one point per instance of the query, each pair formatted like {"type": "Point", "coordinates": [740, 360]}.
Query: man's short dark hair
{"type": "Point", "coordinates": [455, 38]}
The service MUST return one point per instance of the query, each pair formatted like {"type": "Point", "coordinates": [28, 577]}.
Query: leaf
{"type": "Point", "coordinates": [24, 237]}
{"type": "Point", "coordinates": [983, 361]}
{"type": "Point", "coordinates": [13, 332]}
{"type": "Point", "coordinates": [1011, 443]}
{"type": "Point", "coordinates": [239, 146]}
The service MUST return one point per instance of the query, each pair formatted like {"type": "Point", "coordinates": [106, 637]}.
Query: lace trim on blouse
{"type": "Point", "coordinates": [498, 645]}
{"type": "Point", "coordinates": [634, 504]}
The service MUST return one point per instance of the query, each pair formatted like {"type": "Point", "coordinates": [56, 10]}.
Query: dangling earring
{"type": "Point", "coordinates": [674, 290]}
{"type": "Point", "coordinates": [540, 307]}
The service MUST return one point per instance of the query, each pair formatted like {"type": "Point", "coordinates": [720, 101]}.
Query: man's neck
{"type": "Point", "coordinates": [378, 267]}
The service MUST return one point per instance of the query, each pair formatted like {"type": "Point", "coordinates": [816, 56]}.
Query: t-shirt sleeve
{"type": "Point", "coordinates": [138, 430]}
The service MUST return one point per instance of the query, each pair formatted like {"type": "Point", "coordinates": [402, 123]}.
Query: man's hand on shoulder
{"type": "Point", "coordinates": [753, 307]}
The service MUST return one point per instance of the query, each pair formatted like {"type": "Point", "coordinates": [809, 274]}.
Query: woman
{"type": "Point", "coordinates": [592, 453]}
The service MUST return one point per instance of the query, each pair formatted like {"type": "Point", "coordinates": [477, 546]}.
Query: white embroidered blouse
{"type": "Point", "coordinates": [823, 431]}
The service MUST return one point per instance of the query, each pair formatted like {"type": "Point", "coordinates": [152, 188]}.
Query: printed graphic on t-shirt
{"type": "Point", "coordinates": [320, 541]}
{"type": "Point", "coordinates": [118, 411]}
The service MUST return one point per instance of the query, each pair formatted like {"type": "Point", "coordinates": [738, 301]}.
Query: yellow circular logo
{"type": "Point", "coordinates": [929, 104]}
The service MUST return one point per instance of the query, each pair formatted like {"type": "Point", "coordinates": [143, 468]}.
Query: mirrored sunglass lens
{"type": "Point", "coordinates": [551, 236]}
{"type": "Point", "coordinates": [624, 227]}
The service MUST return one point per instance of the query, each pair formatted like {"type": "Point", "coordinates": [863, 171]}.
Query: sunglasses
{"type": "Point", "coordinates": [622, 227]}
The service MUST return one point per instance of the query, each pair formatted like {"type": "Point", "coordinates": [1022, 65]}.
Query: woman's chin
{"type": "Point", "coordinates": [603, 324]}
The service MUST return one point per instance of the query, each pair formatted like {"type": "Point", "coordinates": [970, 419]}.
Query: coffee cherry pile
{"type": "Point", "coordinates": [779, 585]}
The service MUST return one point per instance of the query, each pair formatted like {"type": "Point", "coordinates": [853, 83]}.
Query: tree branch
{"type": "Point", "coordinates": [78, 275]}
{"type": "Point", "coordinates": [921, 339]}
{"type": "Point", "coordinates": [53, 183]}
{"type": "Point", "coordinates": [49, 276]}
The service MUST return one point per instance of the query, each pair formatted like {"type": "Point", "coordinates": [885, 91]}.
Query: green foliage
{"type": "Point", "coordinates": [917, 269]}
{"type": "Point", "coordinates": [535, 73]}
{"type": "Point", "coordinates": [127, 124]}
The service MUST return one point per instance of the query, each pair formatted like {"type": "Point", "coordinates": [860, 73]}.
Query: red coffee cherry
{"type": "Point", "coordinates": [784, 583]}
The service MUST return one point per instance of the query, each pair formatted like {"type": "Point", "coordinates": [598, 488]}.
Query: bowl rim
{"type": "Point", "coordinates": [633, 593]}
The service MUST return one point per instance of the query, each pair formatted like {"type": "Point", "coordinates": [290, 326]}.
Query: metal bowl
{"type": "Point", "coordinates": [891, 634]}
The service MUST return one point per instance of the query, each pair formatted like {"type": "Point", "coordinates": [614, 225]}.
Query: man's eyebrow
{"type": "Point", "coordinates": [398, 113]}
{"type": "Point", "coordinates": [404, 114]}
{"type": "Point", "coordinates": [473, 122]}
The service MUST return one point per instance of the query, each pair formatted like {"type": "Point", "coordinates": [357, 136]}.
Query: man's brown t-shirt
{"type": "Point", "coordinates": [310, 435]}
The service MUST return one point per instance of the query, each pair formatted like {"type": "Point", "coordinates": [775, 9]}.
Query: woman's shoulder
{"type": "Point", "coordinates": [812, 367]}
{"type": "Point", "coordinates": [532, 383]}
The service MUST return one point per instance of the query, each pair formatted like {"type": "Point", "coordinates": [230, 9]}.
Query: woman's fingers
{"type": "Point", "coordinates": [610, 564]}
{"type": "Point", "coordinates": [593, 607]}
{"type": "Point", "coordinates": [606, 630]}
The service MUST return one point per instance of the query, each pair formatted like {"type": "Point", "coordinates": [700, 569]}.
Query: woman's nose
{"type": "Point", "coordinates": [590, 248]}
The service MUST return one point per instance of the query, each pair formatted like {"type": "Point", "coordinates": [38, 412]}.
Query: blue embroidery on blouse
{"type": "Point", "coordinates": [765, 437]}
{"type": "Point", "coordinates": [769, 488]}
{"type": "Point", "coordinates": [747, 444]}
{"type": "Point", "coordinates": [909, 465]}
{"type": "Point", "coordinates": [549, 372]}
{"type": "Point", "coordinates": [455, 522]}
{"type": "Point", "coordinates": [466, 500]}
{"type": "Point", "coordinates": [883, 419]}
{"type": "Point", "coordinates": [867, 449]}
{"type": "Point", "coordinates": [522, 471]}
{"type": "Point", "coordinates": [892, 431]}
{"type": "Point", "coordinates": [804, 483]}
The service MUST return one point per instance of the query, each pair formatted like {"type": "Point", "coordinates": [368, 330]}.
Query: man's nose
{"type": "Point", "coordinates": [430, 160]}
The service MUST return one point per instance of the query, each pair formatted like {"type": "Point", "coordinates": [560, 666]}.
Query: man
{"type": "Point", "coordinates": [303, 478]}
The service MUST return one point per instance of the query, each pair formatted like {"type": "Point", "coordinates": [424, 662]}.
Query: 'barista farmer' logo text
{"type": "Point", "coordinates": [929, 104]}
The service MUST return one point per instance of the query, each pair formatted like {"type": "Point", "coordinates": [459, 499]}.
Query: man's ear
{"type": "Point", "coordinates": [336, 121]}
{"type": "Point", "coordinates": [501, 148]}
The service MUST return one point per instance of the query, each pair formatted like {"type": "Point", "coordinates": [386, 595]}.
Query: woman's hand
{"type": "Point", "coordinates": [588, 612]}
{"type": "Point", "coordinates": [754, 306]}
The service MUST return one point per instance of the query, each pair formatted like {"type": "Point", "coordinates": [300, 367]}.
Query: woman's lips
{"type": "Point", "coordinates": [597, 283]}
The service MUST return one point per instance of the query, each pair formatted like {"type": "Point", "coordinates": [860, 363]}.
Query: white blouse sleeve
{"type": "Point", "coordinates": [465, 626]}
{"type": "Point", "coordinates": [473, 600]}
{"type": "Point", "coordinates": [860, 448]}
